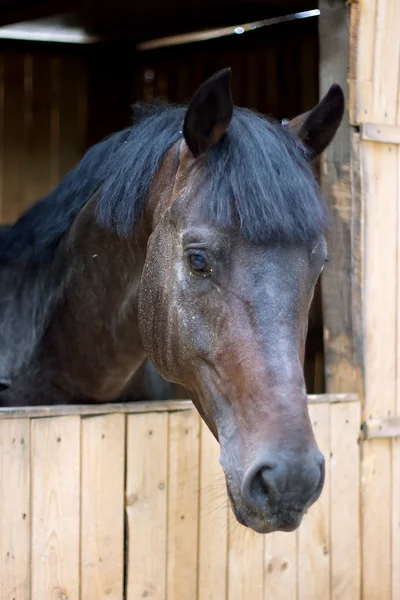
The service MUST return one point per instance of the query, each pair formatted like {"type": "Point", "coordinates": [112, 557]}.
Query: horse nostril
{"type": "Point", "coordinates": [262, 483]}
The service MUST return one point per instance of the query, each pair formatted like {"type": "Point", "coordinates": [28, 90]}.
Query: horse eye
{"type": "Point", "coordinates": [199, 264]}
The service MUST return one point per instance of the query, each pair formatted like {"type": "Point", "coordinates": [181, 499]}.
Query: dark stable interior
{"type": "Point", "coordinates": [59, 99]}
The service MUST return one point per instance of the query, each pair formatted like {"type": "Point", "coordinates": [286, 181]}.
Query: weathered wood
{"type": "Point", "coordinates": [379, 172]}
{"type": "Point", "coordinates": [15, 515]}
{"type": "Point", "coordinates": [83, 410]}
{"type": "Point", "coordinates": [281, 565]}
{"type": "Point", "coordinates": [146, 506]}
{"type": "Point", "coordinates": [102, 507]}
{"type": "Point", "coordinates": [314, 533]}
{"type": "Point", "coordinates": [56, 452]}
{"type": "Point", "coordinates": [341, 372]}
{"type": "Point", "coordinates": [380, 132]}
{"type": "Point", "coordinates": [388, 427]}
{"type": "Point", "coordinates": [245, 555]}
{"type": "Point", "coordinates": [183, 482]}
{"type": "Point", "coordinates": [213, 527]}
{"type": "Point", "coordinates": [345, 502]}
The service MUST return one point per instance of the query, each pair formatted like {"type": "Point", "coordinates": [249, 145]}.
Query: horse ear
{"type": "Point", "coordinates": [209, 114]}
{"type": "Point", "coordinates": [318, 127]}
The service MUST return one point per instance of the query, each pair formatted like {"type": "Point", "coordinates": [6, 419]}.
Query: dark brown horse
{"type": "Point", "coordinates": [194, 238]}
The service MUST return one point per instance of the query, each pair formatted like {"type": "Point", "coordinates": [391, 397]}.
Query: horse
{"type": "Point", "coordinates": [193, 239]}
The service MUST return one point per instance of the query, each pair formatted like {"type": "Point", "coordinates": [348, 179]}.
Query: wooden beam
{"type": "Point", "coordinates": [385, 428]}
{"type": "Point", "coordinates": [380, 132]}
{"type": "Point", "coordinates": [343, 369]}
{"type": "Point", "coordinates": [87, 410]}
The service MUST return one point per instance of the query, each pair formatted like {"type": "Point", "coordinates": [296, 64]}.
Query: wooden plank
{"type": "Point", "coordinates": [395, 535]}
{"type": "Point", "coordinates": [102, 507]}
{"type": "Point", "coordinates": [245, 563]}
{"type": "Point", "coordinates": [365, 59]}
{"type": "Point", "coordinates": [213, 528]}
{"type": "Point", "coordinates": [73, 122]}
{"type": "Point", "coordinates": [376, 525]}
{"type": "Point", "coordinates": [55, 456]}
{"type": "Point", "coordinates": [59, 410]}
{"type": "Point", "coordinates": [314, 534]}
{"type": "Point", "coordinates": [385, 428]}
{"type": "Point", "coordinates": [380, 132]}
{"type": "Point", "coordinates": [15, 514]}
{"type": "Point", "coordinates": [13, 138]}
{"type": "Point", "coordinates": [183, 481]}
{"type": "Point", "coordinates": [345, 502]}
{"type": "Point", "coordinates": [341, 374]}
{"type": "Point", "coordinates": [379, 169]}
{"type": "Point", "coordinates": [280, 566]}
{"type": "Point", "coordinates": [146, 502]}
{"type": "Point", "coordinates": [386, 55]}
{"type": "Point", "coordinates": [39, 147]}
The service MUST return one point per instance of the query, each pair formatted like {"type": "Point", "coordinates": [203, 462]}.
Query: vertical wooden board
{"type": "Point", "coordinates": [73, 123]}
{"type": "Point", "coordinates": [345, 501]}
{"type": "Point", "coordinates": [183, 485]}
{"type": "Point", "coordinates": [39, 146]}
{"type": "Point", "coordinates": [365, 58]}
{"type": "Point", "coordinates": [280, 567]}
{"type": "Point", "coordinates": [376, 520]}
{"type": "Point", "coordinates": [213, 527]}
{"type": "Point", "coordinates": [15, 509]}
{"type": "Point", "coordinates": [379, 176]}
{"type": "Point", "coordinates": [386, 56]}
{"type": "Point", "coordinates": [314, 535]}
{"type": "Point", "coordinates": [55, 472]}
{"type": "Point", "coordinates": [396, 442]}
{"type": "Point", "coordinates": [379, 170]}
{"type": "Point", "coordinates": [245, 562]}
{"type": "Point", "coordinates": [146, 505]}
{"type": "Point", "coordinates": [102, 507]}
{"type": "Point", "coordinates": [395, 535]}
{"type": "Point", "coordinates": [13, 142]}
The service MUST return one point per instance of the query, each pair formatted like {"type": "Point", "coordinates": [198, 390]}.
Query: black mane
{"type": "Point", "coordinates": [258, 176]}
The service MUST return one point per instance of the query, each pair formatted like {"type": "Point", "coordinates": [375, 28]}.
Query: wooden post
{"type": "Point", "coordinates": [340, 295]}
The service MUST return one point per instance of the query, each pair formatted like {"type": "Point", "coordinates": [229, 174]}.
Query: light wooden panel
{"type": "Point", "coordinates": [280, 566]}
{"type": "Point", "coordinates": [15, 514]}
{"type": "Point", "coordinates": [102, 507]}
{"type": "Point", "coordinates": [146, 505]}
{"type": "Point", "coordinates": [56, 452]}
{"type": "Point", "coordinates": [245, 557]}
{"type": "Point", "coordinates": [183, 486]}
{"type": "Point", "coordinates": [213, 524]}
{"type": "Point", "coordinates": [345, 502]}
{"type": "Point", "coordinates": [314, 534]}
{"type": "Point", "coordinates": [379, 171]}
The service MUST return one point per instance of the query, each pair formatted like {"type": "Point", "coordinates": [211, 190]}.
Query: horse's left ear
{"type": "Point", "coordinates": [209, 114]}
{"type": "Point", "coordinates": [318, 127]}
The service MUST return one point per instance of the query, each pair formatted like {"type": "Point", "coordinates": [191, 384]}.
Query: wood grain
{"type": "Point", "coordinates": [314, 534]}
{"type": "Point", "coordinates": [15, 515]}
{"type": "Point", "coordinates": [102, 507]}
{"type": "Point", "coordinates": [146, 505]}
{"type": "Point", "coordinates": [183, 486]}
{"type": "Point", "coordinates": [55, 456]}
{"type": "Point", "coordinates": [213, 524]}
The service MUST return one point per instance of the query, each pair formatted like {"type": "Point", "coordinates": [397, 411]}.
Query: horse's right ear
{"type": "Point", "coordinates": [209, 114]}
{"type": "Point", "coordinates": [318, 127]}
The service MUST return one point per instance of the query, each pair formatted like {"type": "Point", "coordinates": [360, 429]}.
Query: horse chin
{"type": "Point", "coordinates": [280, 521]}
